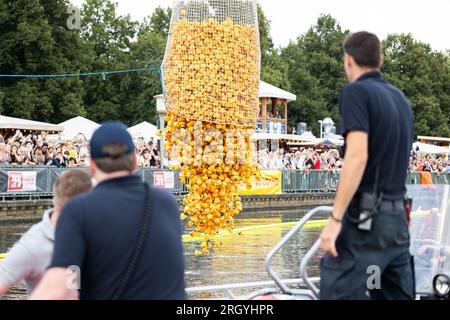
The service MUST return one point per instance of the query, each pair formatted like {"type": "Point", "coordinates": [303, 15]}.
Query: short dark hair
{"type": "Point", "coordinates": [118, 159]}
{"type": "Point", "coordinates": [365, 48]}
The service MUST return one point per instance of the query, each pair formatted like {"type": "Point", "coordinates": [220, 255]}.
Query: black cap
{"type": "Point", "coordinates": [110, 133]}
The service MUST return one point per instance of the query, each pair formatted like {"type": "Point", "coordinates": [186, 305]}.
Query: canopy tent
{"type": "Point", "coordinates": [329, 142]}
{"type": "Point", "coordinates": [145, 130]}
{"type": "Point", "coordinates": [10, 124]}
{"type": "Point", "coordinates": [269, 91]}
{"type": "Point", "coordinates": [77, 125]}
{"type": "Point", "coordinates": [429, 148]}
{"type": "Point", "coordinates": [307, 136]}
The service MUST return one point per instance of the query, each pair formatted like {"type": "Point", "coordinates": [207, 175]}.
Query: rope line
{"type": "Point", "coordinates": [103, 74]}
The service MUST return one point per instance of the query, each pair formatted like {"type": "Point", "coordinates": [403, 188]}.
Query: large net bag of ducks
{"type": "Point", "coordinates": [211, 73]}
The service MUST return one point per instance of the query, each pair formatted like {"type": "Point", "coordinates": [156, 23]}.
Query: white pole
{"type": "Point", "coordinates": [161, 140]}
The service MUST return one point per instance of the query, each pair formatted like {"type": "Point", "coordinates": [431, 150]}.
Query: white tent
{"type": "Point", "coordinates": [78, 125]}
{"type": "Point", "coordinates": [269, 91]}
{"type": "Point", "coordinates": [10, 123]}
{"type": "Point", "coordinates": [289, 137]}
{"type": "Point", "coordinates": [429, 148]}
{"type": "Point", "coordinates": [145, 130]}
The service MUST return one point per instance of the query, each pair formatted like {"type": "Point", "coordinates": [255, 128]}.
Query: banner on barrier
{"type": "Point", "coordinates": [267, 182]}
{"type": "Point", "coordinates": [164, 180]}
{"type": "Point", "coordinates": [21, 181]}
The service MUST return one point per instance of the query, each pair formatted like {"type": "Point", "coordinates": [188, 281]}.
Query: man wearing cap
{"type": "Point", "coordinates": [99, 234]}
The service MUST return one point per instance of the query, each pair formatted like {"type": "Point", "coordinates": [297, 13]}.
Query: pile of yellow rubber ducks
{"type": "Point", "coordinates": [212, 72]}
{"type": "Point", "coordinates": [211, 77]}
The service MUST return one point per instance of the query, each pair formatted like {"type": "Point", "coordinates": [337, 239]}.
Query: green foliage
{"type": "Point", "coordinates": [316, 73]}
{"type": "Point", "coordinates": [424, 77]}
{"type": "Point", "coordinates": [35, 40]}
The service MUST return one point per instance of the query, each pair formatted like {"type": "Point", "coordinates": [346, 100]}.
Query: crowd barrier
{"type": "Point", "coordinates": [37, 182]}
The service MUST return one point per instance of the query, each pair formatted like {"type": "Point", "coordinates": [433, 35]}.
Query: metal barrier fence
{"type": "Point", "coordinates": [326, 181]}
{"type": "Point", "coordinates": [314, 181]}
{"type": "Point", "coordinates": [37, 182]}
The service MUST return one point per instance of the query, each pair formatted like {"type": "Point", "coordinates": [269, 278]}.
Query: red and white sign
{"type": "Point", "coordinates": [21, 181]}
{"type": "Point", "coordinates": [164, 180]}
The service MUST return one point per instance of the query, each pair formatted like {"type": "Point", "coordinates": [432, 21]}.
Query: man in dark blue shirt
{"type": "Point", "coordinates": [98, 232]}
{"type": "Point", "coordinates": [366, 241]}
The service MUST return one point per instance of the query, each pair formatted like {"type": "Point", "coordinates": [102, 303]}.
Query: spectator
{"type": "Point", "coordinates": [72, 162]}
{"type": "Point", "coordinates": [317, 162]}
{"type": "Point", "coordinates": [39, 157]}
{"type": "Point", "coordinates": [4, 155]}
{"type": "Point", "coordinates": [447, 169]}
{"type": "Point", "coordinates": [14, 158]}
{"type": "Point", "coordinates": [144, 157]}
{"type": "Point", "coordinates": [30, 256]}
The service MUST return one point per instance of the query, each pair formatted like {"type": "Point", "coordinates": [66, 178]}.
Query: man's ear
{"type": "Point", "coordinates": [348, 60]}
{"type": "Point", "coordinates": [92, 167]}
{"type": "Point", "coordinates": [382, 61]}
{"type": "Point", "coordinates": [135, 163]}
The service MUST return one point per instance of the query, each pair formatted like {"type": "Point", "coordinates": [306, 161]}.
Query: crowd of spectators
{"type": "Point", "coordinates": [147, 153]}
{"type": "Point", "coordinates": [436, 164]}
{"type": "Point", "coordinates": [37, 150]}
{"type": "Point", "coordinates": [40, 149]}
{"type": "Point", "coordinates": [310, 159]}
{"type": "Point", "coordinates": [272, 115]}
{"type": "Point", "coordinates": [304, 159]}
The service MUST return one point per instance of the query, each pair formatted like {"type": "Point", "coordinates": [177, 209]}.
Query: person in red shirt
{"type": "Point", "coordinates": [316, 162]}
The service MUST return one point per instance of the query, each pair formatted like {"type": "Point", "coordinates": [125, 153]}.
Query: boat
{"type": "Point", "coordinates": [430, 246]}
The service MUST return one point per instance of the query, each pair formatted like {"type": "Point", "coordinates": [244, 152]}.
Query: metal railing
{"type": "Point", "coordinates": [44, 177]}
{"type": "Point", "coordinates": [293, 181]}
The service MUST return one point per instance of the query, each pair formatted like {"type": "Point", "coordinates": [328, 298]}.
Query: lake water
{"type": "Point", "coordinates": [239, 259]}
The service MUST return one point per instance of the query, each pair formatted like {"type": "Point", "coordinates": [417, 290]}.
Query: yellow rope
{"type": "Point", "coordinates": [2, 256]}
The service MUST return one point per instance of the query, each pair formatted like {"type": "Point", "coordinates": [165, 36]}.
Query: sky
{"type": "Point", "coordinates": [427, 20]}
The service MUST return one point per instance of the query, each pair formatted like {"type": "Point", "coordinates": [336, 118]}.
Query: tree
{"type": "Point", "coordinates": [108, 38]}
{"type": "Point", "coordinates": [316, 72]}
{"type": "Point", "coordinates": [148, 50]}
{"type": "Point", "coordinates": [2, 96]}
{"type": "Point", "coordinates": [310, 105]}
{"type": "Point", "coordinates": [424, 77]}
{"type": "Point", "coordinates": [159, 22]}
{"type": "Point", "coordinates": [35, 41]}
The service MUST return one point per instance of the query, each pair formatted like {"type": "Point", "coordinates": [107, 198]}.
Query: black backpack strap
{"type": "Point", "coordinates": [139, 247]}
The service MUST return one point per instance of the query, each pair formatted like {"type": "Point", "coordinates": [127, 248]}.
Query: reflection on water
{"type": "Point", "coordinates": [10, 232]}
{"type": "Point", "coordinates": [239, 259]}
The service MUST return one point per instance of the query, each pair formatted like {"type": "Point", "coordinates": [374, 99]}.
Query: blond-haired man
{"type": "Point", "coordinates": [30, 256]}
